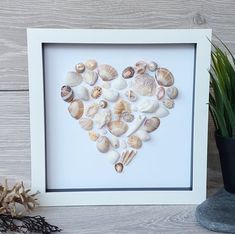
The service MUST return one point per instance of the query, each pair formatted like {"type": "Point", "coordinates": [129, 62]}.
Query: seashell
{"type": "Point", "coordinates": [164, 77]}
{"type": "Point", "coordinates": [110, 95]}
{"type": "Point", "coordinates": [119, 167]}
{"type": "Point", "coordinates": [128, 72]}
{"type": "Point", "coordinates": [151, 124]}
{"type": "Point", "coordinates": [114, 142]}
{"type": "Point", "coordinates": [143, 135]}
{"type": "Point", "coordinates": [140, 67]}
{"type": "Point", "coordinates": [86, 123]}
{"type": "Point", "coordinates": [102, 118]}
{"type": "Point", "coordinates": [91, 64]}
{"type": "Point", "coordinates": [134, 142]}
{"type": "Point", "coordinates": [152, 66]}
{"type": "Point", "coordinates": [119, 84]}
{"type": "Point", "coordinates": [161, 112]}
{"type": "Point", "coordinates": [76, 108]}
{"type": "Point", "coordinates": [131, 96]}
{"type": "Point", "coordinates": [93, 135]}
{"type": "Point", "coordinates": [102, 144]}
{"type": "Point", "coordinates": [127, 157]}
{"type": "Point", "coordinates": [82, 93]}
{"type": "Point", "coordinates": [117, 127]}
{"type": "Point", "coordinates": [80, 68]}
{"type": "Point", "coordinates": [105, 85]}
{"type": "Point", "coordinates": [145, 85]}
{"type": "Point", "coordinates": [90, 77]}
{"type": "Point", "coordinates": [168, 103]}
{"type": "Point", "coordinates": [67, 93]}
{"type": "Point", "coordinates": [127, 116]}
{"type": "Point", "coordinates": [96, 92]}
{"type": "Point", "coordinates": [112, 156]}
{"type": "Point", "coordinates": [92, 110]}
{"type": "Point", "coordinates": [172, 92]}
{"type": "Point", "coordinates": [73, 79]}
{"type": "Point", "coordinates": [160, 93]}
{"type": "Point", "coordinates": [120, 107]}
{"type": "Point", "coordinates": [148, 106]}
{"type": "Point", "coordinates": [136, 125]}
{"type": "Point", "coordinates": [103, 104]}
{"type": "Point", "coordinates": [107, 72]}
{"type": "Point", "coordinates": [123, 144]}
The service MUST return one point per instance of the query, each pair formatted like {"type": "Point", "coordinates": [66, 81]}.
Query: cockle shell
{"type": "Point", "coordinates": [107, 72]}
{"type": "Point", "coordinates": [96, 92]}
{"type": "Point", "coordinates": [172, 92]}
{"type": "Point", "coordinates": [119, 167]}
{"type": "Point", "coordinates": [114, 141]}
{"type": "Point", "coordinates": [148, 106]}
{"type": "Point", "coordinates": [110, 95]}
{"type": "Point", "coordinates": [76, 108]}
{"type": "Point", "coordinates": [93, 135]}
{"type": "Point", "coordinates": [80, 68]}
{"type": "Point", "coordinates": [67, 93]}
{"type": "Point", "coordinates": [164, 77]}
{"type": "Point", "coordinates": [82, 93]}
{"type": "Point", "coordinates": [73, 79]}
{"type": "Point", "coordinates": [86, 123]}
{"type": "Point", "coordinates": [128, 72]}
{"type": "Point", "coordinates": [145, 85]}
{"type": "Point", "coordinates": [112, 156]}
{"type": "Point", "coordinates": [102, 144]}
{"type": "Point", "coordinates": [127, 157]}
{"type": "Point", "coordinates": [140, 67]}
{"type": "Point", "coordinates": [151, 124]}
{"type": "Point", "coordinates": [103, 104]}
{"type": "Point", "coordinates": [102, 118]}
{"type": "Point", "coordinates": [90, 77]}
{"type": "Point", "coordinates": [91, 64]}
{"type": "Point", "coordinates": [119, 83]}
{"type": "Point", "coordinates": [136, 125]}
{"type": "Point", "coordinates": [131, 96]}
{"type": "Point", "coordinates": [152, 66]}
{"type": "Point", "coordinates": [127, 116]}
{"type": "Point", "coordinates": [92, 110]}
{"type": "Point", "coordinates": [161, 112]}
{"type": "Point", "coordinates": [120, 107]}
{"type": "Point", "coordinates": [168, 103]}
{"type": "Point", "coordinates": [160, 93]}
{"type": "Point", "coordinates": [117, 127]}
{"type": "Point", "coordinates": [143, 135]}
{"type": "Point", "coordinates": [134, 142]}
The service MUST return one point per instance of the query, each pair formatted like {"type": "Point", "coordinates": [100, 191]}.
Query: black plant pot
{"type": "Point", "coordinates": [226, 147]}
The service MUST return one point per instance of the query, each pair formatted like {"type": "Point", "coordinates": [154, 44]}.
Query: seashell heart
{"type": "Point", "coordinates": [120, 110]}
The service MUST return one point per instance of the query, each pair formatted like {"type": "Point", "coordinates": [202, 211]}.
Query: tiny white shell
{"type": "Point", "coordinates": [143, 135]}
{"type": "Point", "coordinates": [82, 93]}
{"type": "Point", "coordinates": [152, 66]}
{"type": "Point", "coordinates": [148, 106]}
{"type": "Point", "coordinates": [86, 124]}
{"type": "Point", "coordinates": [119, 83]}
{"type": "Point", "coordinates": [73, 79]}
{"type": "Point", "coordinates": [114, 142]}
{"type": "Point", "coordinates": [102, 118]}
{"type": "Point", "coordinates": [136, 125]}
{"type": "Point", "coordinates": [112, 156]}
{"type": "Point", "coordinates": [90, 77]}
{"type": "Point", "coordinates": [110, 95]}
{"type": "Point", "coordinates": [161, 112]}
{"type": "Point", "coordinates": [168, 103]}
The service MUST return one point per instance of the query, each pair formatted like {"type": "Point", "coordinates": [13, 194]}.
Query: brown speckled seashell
{"type": "Point", "coordinates": [67, 93]}
{"type": "Point", "coordinates": [119, 167]}
{"type": "Point", "coordinates": [96, 92]}
{"type": "Point", "coordinates": [151, 124]}
{"type": "Point", "coordinates": [76, 109]}
{"type": "Point", "coordinates": [134, 142]}
{"type": "Point", "coordinates": [128, 72]}
{"type": "Point", "coordinates": [164, 77]}
{"type": "Point", "coordinates": [80, 68]}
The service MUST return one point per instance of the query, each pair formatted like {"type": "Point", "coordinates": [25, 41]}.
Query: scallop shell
{"type": "Point", "coordinates": [90, 77]}
{"type": "Point", "coordinates": [103, 104]}
{"type": "Point", "coordinates": [112, 156]}
{"type": "Point", "coordinates": [110, 95]}
{"type": "Point", "coordinates": [76, 108]}
{"type": "Point", "coordinates": [80, 68]}
{"type": "Point", "coordinates": [73, 79]}
{"type": "Point", "coordinates": [162, 112]}
{"type": "Point", "coordinates": [148, 106]}
{"type": "Point", "coordinates": [86, 123]}
{"type": "Point", "coordinates": [134, 142]}
{"type": "Point", "coordinates": [145, 85]}
{"type": "Point", "coordinates": [128, 72]}
{"type": "Point", "coordinates": [140, 67]}
{"type": "Point", "coordinates": [102, 144]}
{"type": "Point", "coordinates": [114, 142]}
{"type": "Point", "coordinates": [127, 116]}
{"type": "Point", "coordinates": [152, 66]}
{"type": "Point", "coordinates": [127, 156]}
{"type": "Point", "coordinates": [136, 125]}
{"type": "Point", "coordinates": [131, 96]}
{"type": "Point", "coordinates": [164, 77]}
{"type": "Point", "coordinates": [107, 72]}
{"type": "Point", "coordinates": [102, 118]}
{"type": "Point", "coordinates": [119, 84]}
{"type": "Point", "coordinates": [96, 92]}
{"type": "Point", "coordinates": [172, 92]}
{"type": "Point", "coordinates": [160, 93]}
{"type": "Point", "coordinates": [93, 135]}
{"type": "Point", "coordinates": [117, 127]}
{"type": "Point", "coordinates": [82, 93]}
{"type": "Point", "coordinates": [67, 93]}
{"type": "Point", "coordinates": [119, 167]}
{"type": "Point", "coordinates": [120, 107]}
{"type": "Point", "coordinates": [168, 103]}
{"type": "Point", "coordinates": [151, 124]}
{"type": "Point", "coordinates": [92, 110]}
{"type": "Point", "coordinates": [143, 135]}
{"type": "Point", "coordinates": [91, 64]}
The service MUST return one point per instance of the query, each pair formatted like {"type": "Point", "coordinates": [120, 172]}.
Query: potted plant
{"type": "Point", "coordinates": [222, 109]}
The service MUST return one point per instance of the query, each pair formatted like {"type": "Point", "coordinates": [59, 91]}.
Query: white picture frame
{"type": "Point", "coordinates": [200, 38]}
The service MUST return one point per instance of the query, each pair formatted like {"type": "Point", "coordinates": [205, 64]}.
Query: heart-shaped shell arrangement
{"type": "Point", "coordinates": [119, 110]}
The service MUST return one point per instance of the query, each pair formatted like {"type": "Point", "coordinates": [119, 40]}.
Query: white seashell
{"type": "Point", "coordinates": [86, 123]}
{"type": "Point", "coordinates": [107, 72]}
{"type": "Point", "coordinates": [143, 135]}
{"type": "Point", "coordinates": [134, 142]}
{"type": "Point", "coordinates": [131, 96]}
{"type": "Point", "coordinates": [92, 110]}
{"type": "Point", "coordinates": [102, 144]}
{"type": "Point", "coordinates": [73, 79]}
{"type": "Point", "coordinates": [76, 108]}
{"type": "Point", "coordinates": [145, 85]}
{"type": "Point", "coordinates": [160, 93]}
{"type": "Point", "coordinates": [168, 103]}
{"type": "Point", "coordinates": [110, 95]}
{"type": "Point", "coordinates": [90, 77]}
{"type": "Point", "coordinates": [152, 66]}
{"type": "Point", "coordinates": [102, 118]}
{"type": "Point", "coordinates": [172, 92]}
{"type": "Point", "coordinates": [93, 135]}
{"type": "Point", "coordinates": [91, 64]}
{"type": "Point", "coordinates": [112, 156]}
{"type": "Point", "coordinates": [136, 125]}
{"type": "Point", "coordinates": [151, 124]}
{"type": "Point", "coordinates": [161, 112]}
{"type": "Point", "coordinates": [119, 84]}
{"type": "Point", "coordinates": [117, 127]}
{"type": "Point", "coordinates": [114, 142]}
{"type": "Point", "coordinates": [148, 106]}
{"type": "Point", "coordinates": [82, 93]}
{"type": "Point", "coordinates": [123, 144]}
{"type": "Point", "coordinates": [164, 77]}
